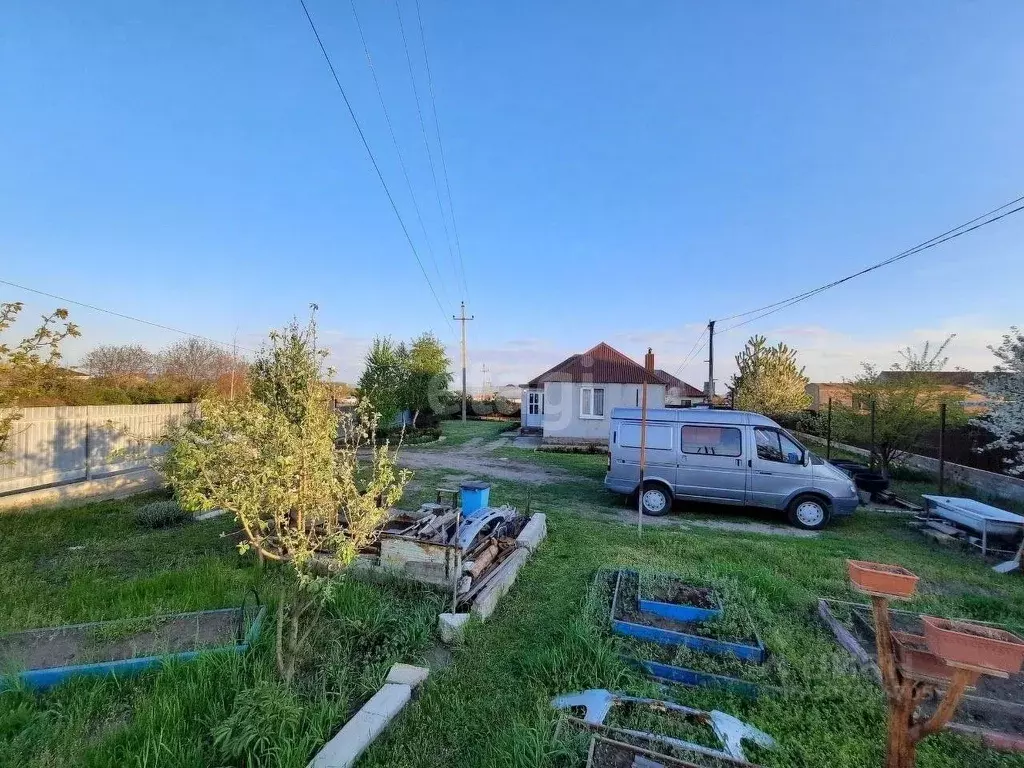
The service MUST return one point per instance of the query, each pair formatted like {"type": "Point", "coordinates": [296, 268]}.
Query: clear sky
{"type": "Point", "coordinates": [619, 171]}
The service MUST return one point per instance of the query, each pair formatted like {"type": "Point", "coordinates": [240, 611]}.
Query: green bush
{"type": "Point", "coordinates": [161, 514]}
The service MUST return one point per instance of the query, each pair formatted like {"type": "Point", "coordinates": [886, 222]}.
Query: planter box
{"type": "Point", "coordinates": [48, 657]}
{"type": "Point", "coordinates": [692, 677]}
{"type": "Point", "coordinates": [918, 663]}
{"type": "Point", "coordinates": [974, 645]}
{"type": "Point", "coordinates": [881, 580]}
{"type": "Point", "coordinates": [740, 650]}
{"type": "Point", "coordinates": [692, 604]}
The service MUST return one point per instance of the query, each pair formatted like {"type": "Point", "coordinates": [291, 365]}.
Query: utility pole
{"type": "Point", "coordinates": [483, 383]}
{"type": "Point", "coordinates": [711, 362]}
{"type": "Point", "coordinates": [462, 318]}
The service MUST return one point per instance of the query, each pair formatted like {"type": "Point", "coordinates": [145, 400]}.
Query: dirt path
{"type": "Point", "coordinates": [472, 458]}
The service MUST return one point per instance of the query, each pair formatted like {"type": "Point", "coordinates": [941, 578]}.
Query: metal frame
{"type": "Point", "coordinates": [43, 678]}
{"type": "Point", "coordinates": [756, 653]}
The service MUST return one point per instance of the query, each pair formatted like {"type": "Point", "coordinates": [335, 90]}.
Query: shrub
{"type": "Point", "coordinates": [262, 719]}
{"type": "Point", "coordinates": [161, 514]}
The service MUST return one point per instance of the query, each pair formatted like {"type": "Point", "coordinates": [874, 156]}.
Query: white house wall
{"type": "Point", "coordinates": [562, 420]}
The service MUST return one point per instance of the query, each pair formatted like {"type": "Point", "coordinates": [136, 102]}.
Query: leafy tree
{"type": "Point", "coordinates": [269, 457]}
{"type": "Point", "coordinates": [30, 364]}
{"type": "Point", "coordinates": [907, 400]}
{"type": "Point", "coordinates": [121, 363]}
{"type": "Point", "coordinates": [383, 383]}
{"type": "Point", "coordinates": [769, 380]}
{"type": "Point", "coordinates": [1005, 391]}
{"type": "Point", "coordinates": [427, 375]}
{"type": "Point", "coordinates": [195, 364]}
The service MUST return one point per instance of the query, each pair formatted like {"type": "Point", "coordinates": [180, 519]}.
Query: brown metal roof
{"type": "Point", "coordinates": [688, 390]}
{"type": "Point", "coordinates": [602, 365]}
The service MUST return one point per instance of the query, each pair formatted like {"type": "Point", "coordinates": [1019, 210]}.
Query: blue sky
{"type": "Point", "coordinates": [619, 172]}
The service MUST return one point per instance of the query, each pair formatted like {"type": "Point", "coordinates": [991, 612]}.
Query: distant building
{"type": "Point", "coordinates": [678, 393]}
{"type": "Point", "coordinates": [572, 402]}
{"type": "Point", "coordinates": [957, 385]}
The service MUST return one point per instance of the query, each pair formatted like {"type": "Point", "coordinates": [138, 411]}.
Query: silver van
{"type": "Point", "coordinates": [727, 457]}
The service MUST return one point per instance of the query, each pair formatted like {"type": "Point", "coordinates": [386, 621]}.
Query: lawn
{"type": "Point", "coordinates": [490, 706]}
{"type": "Point", "coordinates": [94, 563]}
{"type": "Point", "coordinates": [457, 433]}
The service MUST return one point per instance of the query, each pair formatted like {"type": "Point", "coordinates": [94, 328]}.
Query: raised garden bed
{"type": "Point", "coordinates": [881, 579]}
{"type": "Point", "coordinates": [674, 599]}
{"type": "Point", "coordinates": [628, 753]}
{"type": "Point", "coordinates": [994, 708]}
{"type": "Point", "coordinates": [41, 658]}
{"type": "Point", "coordinates": [627, 619]}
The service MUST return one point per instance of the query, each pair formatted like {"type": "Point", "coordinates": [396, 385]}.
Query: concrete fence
{"type": "Point", "coordinates": [980, 480]}
{"type": "Point", "coordinates": [65, 444]}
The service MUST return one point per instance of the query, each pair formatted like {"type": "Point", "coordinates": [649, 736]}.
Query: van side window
{"type": "Point", "coordinates": [658, 437]}
{"type": "Point", "coordinates": [712, 441]}
{"type": "Point", "coordinates": [772, 445]}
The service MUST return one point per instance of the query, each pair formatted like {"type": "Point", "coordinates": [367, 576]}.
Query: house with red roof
{"type": "Point", "coordinates": [572, 401]}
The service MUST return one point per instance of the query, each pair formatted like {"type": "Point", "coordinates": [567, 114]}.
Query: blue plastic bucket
{"type": "Point", "coordinates": [474, 496]}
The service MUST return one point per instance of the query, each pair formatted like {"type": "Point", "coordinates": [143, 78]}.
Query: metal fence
{"type": "Point", "coordinates": [69, 443]}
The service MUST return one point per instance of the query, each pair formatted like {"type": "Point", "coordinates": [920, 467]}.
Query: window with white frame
{"type": "Point", "coordinates": [533, 403]}
{"type": "Point", "coordinates": [591, 403]}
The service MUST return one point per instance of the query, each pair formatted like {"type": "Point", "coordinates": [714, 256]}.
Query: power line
{"type": "Point", "coordinates": [440, 146]}
{"type": "Point", "coordinates": [123, 316]}
{"type": "Point", "coordinates": [426, 141]}
{"type": "Point", "coordinates": [373, 160]}
{"type": "Point", "coordinates": [692, 351]}
{"type": "Point", "coordinates": [930, 243]}
{"type": "Point", "coordinates": [938, 240]}
{"type": "Point", "coordinates": [398, 150]}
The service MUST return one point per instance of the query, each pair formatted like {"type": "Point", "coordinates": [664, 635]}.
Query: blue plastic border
{"type": "Point", "coordinates": [677, 612]}
{"type": "Point", "coordinates": [755, 653]}
{"type": "Point", "coordinates": [41, 679]}
{"type": "Point", "coordinates": [692, 677]}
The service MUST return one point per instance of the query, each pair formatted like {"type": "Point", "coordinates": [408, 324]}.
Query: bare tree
{"type": "Point", "coordinates": [119, 362]}
{"type": "Point", "coordinates": [194, 363]}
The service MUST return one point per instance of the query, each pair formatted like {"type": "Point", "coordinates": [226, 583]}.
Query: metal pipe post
{"type": "Point", "coordinates": [873, 404]}
{"type": "Point", "coordinates": [942, 448]}
{"type": "Point", "coordinates": [828, 433]}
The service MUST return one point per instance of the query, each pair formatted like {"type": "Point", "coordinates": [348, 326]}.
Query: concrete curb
{"type": "Point", "coordinates": [112, 487]}
{"type": "Point", "coordinates": [373, 717]}
{"type": "Point", "coordinates": [451, 626]}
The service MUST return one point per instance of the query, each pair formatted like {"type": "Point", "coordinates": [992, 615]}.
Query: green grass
{"type": "Point", "coordinates": [457, 433]}
{"type": "Point", "coordinates": [490, 708]}
{"type": "Point", "coordinates": [590, 465]}
{"type": "Point", "coordinates": [94, 563]}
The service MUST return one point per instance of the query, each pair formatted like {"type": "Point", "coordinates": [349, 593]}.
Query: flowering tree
{"type": "Point", "coordinates": [270, 458]}
{"type": "Point", "coordinates": [28, 364]}
{"type": "Point", "coordinates": [769, 380]}
{"type": "Point", "coordinates": [907, 399]}
{"type": "Point", "coordinates": [1005, 390]}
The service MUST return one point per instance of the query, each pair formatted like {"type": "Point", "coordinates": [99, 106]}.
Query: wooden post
{"type": "Point", "coordinates": [904, 695]}
{"type": "Point", "coordinates": [648, 367]}
{"type": "Point", "coordinates": [828, 435]}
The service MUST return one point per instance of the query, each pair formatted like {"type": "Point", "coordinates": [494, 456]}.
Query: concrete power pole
{"type": "Point", "coordinates": [711, 362]}
{"type": "Point", "coordinates": [462, 318]}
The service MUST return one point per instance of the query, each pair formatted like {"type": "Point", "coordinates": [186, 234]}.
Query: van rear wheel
{"type": "Point", "coordinates": [809, 512]}
{"type": "Point", "coordinates": [656, 500]}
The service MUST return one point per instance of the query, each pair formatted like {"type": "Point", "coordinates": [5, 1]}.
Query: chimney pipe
{"type": "Point", "coordinates": [649, 360]}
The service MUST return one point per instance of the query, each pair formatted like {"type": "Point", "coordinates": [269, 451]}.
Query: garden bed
{"type": "Point", "coordinates": [995, 704]}
{"type": "Point", "coordinates": [45, 657]}
{"type": "Point", "coordinates": [734, 636]}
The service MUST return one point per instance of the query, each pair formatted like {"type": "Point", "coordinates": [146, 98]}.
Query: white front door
{"type": "Point", "coordinates": [534, 408]}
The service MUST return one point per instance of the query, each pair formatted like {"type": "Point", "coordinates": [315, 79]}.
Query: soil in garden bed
{"type": "Point", "coordinates": [1009, 691]}
{"type": "Point", "coordinates": [116, 641]}
{"type": "Point", "coordinates": [678, 593]}
{"type": "Point", "coordinates": [617, 754]}
{"type": "Point", "coordinates": [733, 626]}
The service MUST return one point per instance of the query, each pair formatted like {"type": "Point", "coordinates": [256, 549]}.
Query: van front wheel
{"type": "Point", "coordinates": [655, 500]}
{"type": "Point", "coordinates": [809, 512]}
